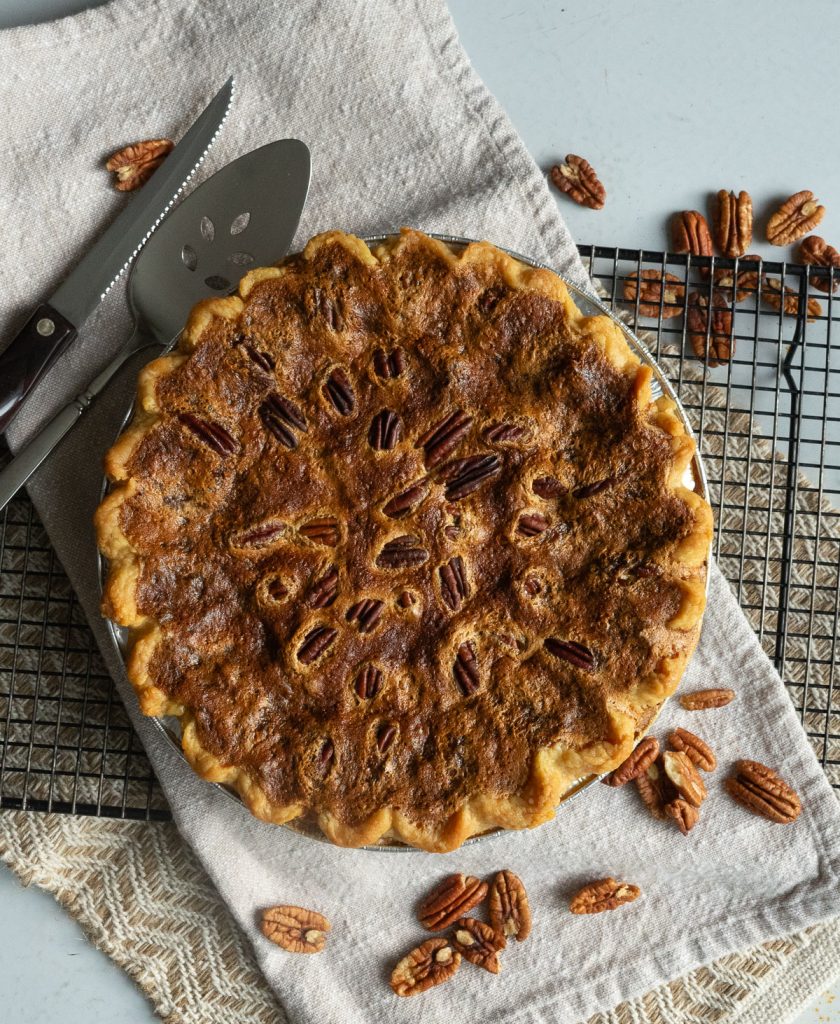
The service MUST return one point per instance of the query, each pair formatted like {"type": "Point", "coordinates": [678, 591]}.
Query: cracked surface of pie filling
{"type": "Point", "coordinates": [401, 538]}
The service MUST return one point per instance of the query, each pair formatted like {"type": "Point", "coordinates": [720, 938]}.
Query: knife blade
{"type": "Point", "coordinates": [56, 321]}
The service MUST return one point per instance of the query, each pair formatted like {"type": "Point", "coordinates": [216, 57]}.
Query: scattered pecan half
{"type": "Point", "coordinates": [454, 588]}
{"type": "Point", "coordinates": [588, 490]}
{"type": "Point", "coordinates": [324, 590]}
{"type": "Point", "coordinates": [547, 487]}
{"type": "Point", "coordinates": [733, 223]}
{"type": "Point", "coordinates": [406, 501]}
{"type": "Point", "coordinates": [700, 700]}
{"type": "Point", "coordinates": [465, 668]}
{"type": "Point", "coordinates": [211, 433]}
{"type": "Point", "coordinates": [532, 524]}
{"type": "Point", "coordinates": [384, 433]}
{"type": "Point", "coordinates": [816, 252]}
{"type": "Point", "coordinates": [577, 179]}
{"type": "Point", "coordinates": [444, 437]}
{"type": "Point", "coordinates": [431, 963]}
{"type": "Point", "coordinates": [646, 752]}
{"type": "Point", "coordinates": [322, 530]}
{"type": "Point", "coordinates": [259, 536]}
{"type": "Point", "coordinates": [366, 613]}
{"type": "Point", "coordinates": [797, 215]}
{"type": "Point", "coordinates": [501, 433]}
{"type": "Point", "coordinates": [295, 928]}
{"type": "Point", "coordinates": [605, 894]}
{"type": "Point", "coordinates": [652, 301]}
{"type": "Point", "coordinates": [683, 813]}
{"type": "Point", "coordinates": [135, 164]}
{"type": "Point", "coordinates": [385, 736]}
{"type": "Point", "coordinates": [686, 779]}
{"type": "Point", "coordinates": [691, 234]}
{"type": "Point", "coordinates": [400, 552]}
{"type": "Point", "coordinates": [479, 943]}
{"type": "Point", "coordinates": [697, 750]}
{"type": "Point", "coordinates": [388, 365]}
{"type": "Point", "coordinates": [463, 476]}
{"type": "Point", "coordinates": [764, 792]}
{"type": "Point", "coordinates": [317, 641]}
{"type": "Point", "coordinates": [655, 789]}
{"type": "Point", "coordinates": [338, 391]}
{"type": "Point", "coordinates": [508, 907]}
{"type": "Point", "coordinates": [569, 650]}
{"type": "Point", "coordinates": [281, 418]}
{"type": "Point", "coordinates": [452, 898]}
{"type": "Point", "coordinates": [711, 338]}
{"type": "Point", "coordinates": [779, 296]}
{"type": "Point", "coordinates": [368, 682]}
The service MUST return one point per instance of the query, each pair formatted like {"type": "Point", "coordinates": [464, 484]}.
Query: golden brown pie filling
{"type": "Point", "coordinates": [403, 541]}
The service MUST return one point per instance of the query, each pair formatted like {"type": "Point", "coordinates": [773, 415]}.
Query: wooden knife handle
{"type": "Point", "coordinates": [44, 337]}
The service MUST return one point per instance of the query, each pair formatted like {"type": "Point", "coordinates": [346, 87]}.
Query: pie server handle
{"type": "Point", "coordinates": [29, 458]}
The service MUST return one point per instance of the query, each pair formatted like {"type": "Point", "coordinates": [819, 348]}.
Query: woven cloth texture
{"type": "Point", "coordinates": [402, 131]}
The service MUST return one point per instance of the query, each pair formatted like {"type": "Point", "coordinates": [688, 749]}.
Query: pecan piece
{"type": "Point", "coordinates": [733, 223]}
{"type": "Point", "coordinates": [710, 332]}
{"type": "Point", "coordinates": [322, 530]}
{"type": "Point", "coordinates": [653, 299]}
{"type": "Point", "coordinates": [282, 417]}
{"type": "Point", "coordinates": [295, 928]}
{"type": "Point", "coordinates": [463, 476]}
{"type": "Point", "coordinates": [328, 309]}
{"type": "Point", "coordinates": [454, 587]}
{"type": "Point", "coordinates": [700, 753]}
{"type": "Point", "coordinates": [781, 297]}
{"type": "Point", "coordinates": [739, 285]}
{"type": "Point", "coordinates": [444, 437]}
{"type": "Point", "coordinates": [407, 599]}
{"type": "Point", "coordinates": [501, 433]}
{"type": "Point", "coordinates": [324, 590]}
{"type": "Point", "coordinates": [450, 899]}
{"type": "Point", "coordinates": [797, 215]}
{"type": "Point", "coordinates": [258, 537]}
{"type": "Point", "coordinates": [683, 813]}
{"type": "Point", "coordinates": [316, 642]}
{"type": "Point", "coordinates": [816, 252]}
{"type": "Point", "coordinates": [465, 669]}
{"type": "Point", "coordinates": [212, 434]}
{"type": "Point", "coordinates": [384, 431]}
{"type": "Point", "coordinates": [655, 790]}
{"type": "Point", "coordinates": [401, 552]}
{"type": "Point", "coordinates": [569, 650]}
{"type": "Point", "coordinates": [338, 391]}
{"type": "Point", "coordinates": [700, 700]}
{"type": "Point", "coordinates": [686, 779]}
{"type": "Point", "coordinates": [479, 943]}
{"type": "Point", "coordinates": [431, 963]}
{"type": "Point", "coordinates": [605, 894]}
{"type": "Point", "coordinates": [764, 792]}
{"type": "Point", "coordinates": [366, 614]}
{"type": "Point", "coordinates": [508, 907]}
{"type": "Point", "coordinates": [388, 365]}
{"type": "Point", "coordinates": [577, 179]}
{"type": "Point", "coordinates": [691, 234]}
{"type": "Point", "coordinates": [588, 490]}
{"type": "Point", "coordinates": [368, 682]}
{"type": "Point", "coordinates": [327, 754]}
{"type": "Point", "coordinates": [135, 164]}
{"type": "Point", "coordinates": [385, 735]}
{"type": "Point", "coordinates": [645, 753]}
{"type": "Point", "coordinates": [547, 487]}
{"type": "Point", "coordinates": [407, 501]}
{"type": "Point", "coordinates": [261, 359]}
{"type": "Point", "coordinates": [532, 524]}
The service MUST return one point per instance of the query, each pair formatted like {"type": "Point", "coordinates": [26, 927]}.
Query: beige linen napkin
{"type": "Point", "coordinates": [401, 131]}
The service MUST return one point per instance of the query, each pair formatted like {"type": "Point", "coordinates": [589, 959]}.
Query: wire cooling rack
{"type": "Point", "coordinates": [768, 423]}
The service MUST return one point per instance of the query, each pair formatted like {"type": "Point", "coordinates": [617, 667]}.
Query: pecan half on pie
{"type": "Point", "coordinates": [403, 541]}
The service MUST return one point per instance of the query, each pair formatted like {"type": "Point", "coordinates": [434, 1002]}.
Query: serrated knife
{"type": "Point", "coordinates": [56, 321]}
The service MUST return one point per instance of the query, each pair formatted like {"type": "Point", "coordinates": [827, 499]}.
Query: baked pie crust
{"type": "Point", "coordinates": [402, 540]}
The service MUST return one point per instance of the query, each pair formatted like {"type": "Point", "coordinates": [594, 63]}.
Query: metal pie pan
{"type": "Point", "coordinates": [589, 305]}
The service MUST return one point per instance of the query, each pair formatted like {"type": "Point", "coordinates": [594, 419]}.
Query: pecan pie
{"type": "Point", "coordinates": [403, 541]}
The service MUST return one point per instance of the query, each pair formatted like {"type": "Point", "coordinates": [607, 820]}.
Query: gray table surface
{"type": "Point", "coordinates": [670, 101]}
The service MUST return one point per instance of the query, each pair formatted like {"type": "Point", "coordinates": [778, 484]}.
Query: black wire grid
{"type": "Point", "coordinates": [768, 422]}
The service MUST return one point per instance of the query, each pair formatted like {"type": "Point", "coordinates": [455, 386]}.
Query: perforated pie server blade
{"type": "Point", "coordinates": [589, 306]}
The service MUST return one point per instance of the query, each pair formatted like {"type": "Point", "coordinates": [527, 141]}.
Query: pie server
{"type": "Point", "coordinates": [244, 216]}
